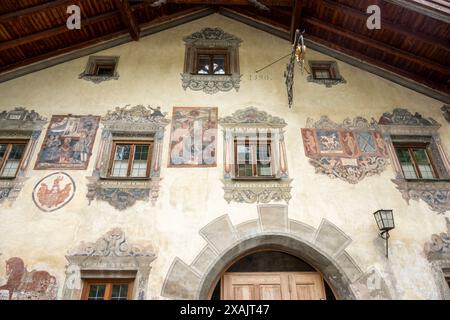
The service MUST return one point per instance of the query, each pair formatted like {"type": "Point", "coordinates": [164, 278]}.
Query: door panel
{"type": "Point", "coordinates": [272, 286]}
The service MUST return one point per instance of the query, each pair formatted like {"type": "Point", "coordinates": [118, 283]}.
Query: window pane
{"type": "Point", "coordinates": [119, 292]}
{"type": "Point", "coordinates": [219, 64]}
{"type": "Point", "coordinates": [263, 165]}
{"type": "Point", "coordinates": [120, 169]}
{"type": "Point", "coordinates": [322, 74]}
{"type": "Point", "coordinates": [122, 152]}
{"type": "Point", "coordinates": [141, 152]}
{"type": "Point", "coordinates": [203, 64]}
{"type": "Point", "coordinates": [423, 163]}
{"type": "Point", "coordinates": [97, 292]}
{"type": "Point", "coordinates": [2, 150]}
{"type": "Point", "coordinates": [139, 168]}
{"type": "Point", "coordinates": [405, 161]}
{"type": "Point", "coordinates": [243, 154]}
{"type": "Point", "coordinates": [105, 70]}
{"type": "Point", "coordinates": [13, 161]}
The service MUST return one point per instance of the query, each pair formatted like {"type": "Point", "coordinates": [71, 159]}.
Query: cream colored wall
{"type": "Point", "coordinates": [150, 75]}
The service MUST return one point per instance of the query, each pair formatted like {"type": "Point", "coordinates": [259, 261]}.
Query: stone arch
{"type": "Point", "coordinates": [323, 248]}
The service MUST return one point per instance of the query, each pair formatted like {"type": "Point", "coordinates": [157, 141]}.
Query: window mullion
{"type": "Point", "coordinates": [414, 162]}
{"type": "Point", "coordinates": [131, 159]}
{"type": "Point", "coordinates": [108, 291]}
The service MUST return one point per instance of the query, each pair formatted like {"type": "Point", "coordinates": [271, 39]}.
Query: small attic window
{"type": "Point", "coordinates": [100, 69]}
{"type": "Point", "coordinates": [325, 72]}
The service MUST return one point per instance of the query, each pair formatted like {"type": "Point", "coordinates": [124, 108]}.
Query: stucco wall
{"type": "Point", "coordinates": [192, 197]}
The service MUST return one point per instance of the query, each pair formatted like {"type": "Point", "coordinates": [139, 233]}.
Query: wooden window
{"type": "Point", "coordinates": [130, 159]}
{"type": "Point", "coordinates": [107, 289]}
{"type": "Point", "coordinates": [415, 161]}
{"type": "Point", "coordinates": [253, 159]}
{"type": "Point", "coordinates": [11, 155]}
{"type": "Point", "coordinates": [101, 66]}
{"type": "Point", "coordinates": [212, 62]}
{"type": "Point", "coordinates": [323, 71]}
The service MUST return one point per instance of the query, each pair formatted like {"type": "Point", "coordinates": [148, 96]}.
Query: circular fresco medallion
{"type": "Point", "coordinates": [54, 191]}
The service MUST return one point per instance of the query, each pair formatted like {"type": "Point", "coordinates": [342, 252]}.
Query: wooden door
{"type": "Point", "coordinates": [272, 286]}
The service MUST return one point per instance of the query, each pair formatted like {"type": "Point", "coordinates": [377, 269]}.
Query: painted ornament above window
{"type": "Point", "coordinates": [350, 151]}
{"type": "Point", "coordinates": [54, 191]}
{"type": "Point", "coordinates": [68, 142]}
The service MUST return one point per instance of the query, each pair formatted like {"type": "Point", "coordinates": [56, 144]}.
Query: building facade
{"type": "Point", "coordinates": [170, 169]}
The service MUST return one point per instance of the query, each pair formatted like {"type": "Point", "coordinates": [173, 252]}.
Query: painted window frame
{"type": "Point", "coordinates": [9, 144]}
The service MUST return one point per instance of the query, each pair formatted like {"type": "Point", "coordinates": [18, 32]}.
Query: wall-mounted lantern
{"type": "Point", "coordinates": [385, 222]}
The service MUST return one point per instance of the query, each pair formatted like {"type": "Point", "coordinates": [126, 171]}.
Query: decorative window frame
{"type": "Point", "coordinates": [93, 61]}
{"type": "Point", "coordinates": [402, 126]}
{"type": "Point", "coordinates": [211, 38]}
{"type": "Point", "coordinates": [327, 82]}
{"type": "Point", "coordinates": [446, 112]}
{"type": "Point", "coordinates": [134, 123]}
{"type": "Point", "coordinates": [250, 120]}
{"type": "Point", "coordinates": [111, 256]}
{"type": "Point", "coordinates": [437, 252]}
{"type": "Point", "coordinates": [19, 124]}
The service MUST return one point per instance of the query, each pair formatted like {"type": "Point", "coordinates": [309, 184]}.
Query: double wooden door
{"type": "Point", "coordinates": [272, 286]}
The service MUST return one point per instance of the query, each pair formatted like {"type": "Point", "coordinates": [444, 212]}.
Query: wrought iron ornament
{"type": "Point", "coordinates": [297, 53]}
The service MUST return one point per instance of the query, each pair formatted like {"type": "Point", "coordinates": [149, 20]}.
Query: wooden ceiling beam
{"type": "Point", "coordinates": [428, 40]}
{"type": "Point", "coordinates": [296, 19]}
{"type": "Point", "coordinates": [128, 18]}
{"type": "Point", "coordinates": [54, 31]}
{"type": "Point", "coordinates": [35, 9]}
{"type": "Point", "coordinates": [279, 3]}
{"type": "Point", "coordinates": [371, 43]}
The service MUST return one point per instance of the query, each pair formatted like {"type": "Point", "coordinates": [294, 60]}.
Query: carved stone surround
{"type": "Point", "coordinates": [211, 38]}
{"type": "Point", "coordinates": [401, 125]}
{"type": "Point", "coordinates": [247, 123]}
{"type": "Point", "coordinates": [19, 124]}
{"type": "Point", "coordinates": [438, 253]}
{"type": "Point", "coordinates": [138, 122]}
{"type": "Point", "coordinates": [111, 256]}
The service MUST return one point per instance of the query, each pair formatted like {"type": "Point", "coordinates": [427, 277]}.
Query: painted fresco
{"type": "Point", "coordinates": [68, 142]}
{"type": "Point", "coordinates": [54, 191]}
{"type": "Point", "coordinates": [349, 151]}
{"type": "Point", "coordinates": [27, 285]}
{"type": "Point", "coordinates": [193, 137]}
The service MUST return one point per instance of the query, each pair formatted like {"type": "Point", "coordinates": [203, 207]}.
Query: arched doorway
{"type": "Point", "coordinates": [310, 257]}
{"type": "Point", "coordinates": [269, 275]}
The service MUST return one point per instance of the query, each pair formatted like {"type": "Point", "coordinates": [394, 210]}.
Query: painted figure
{"type": "Point", "coordinates": [350, 143]}
{"type": "Point", "coordinates": [55, 196]}
{"type": "Point", "coordinates": [33, 285]}
{"type": "Point", "coordinates": [310, 142]}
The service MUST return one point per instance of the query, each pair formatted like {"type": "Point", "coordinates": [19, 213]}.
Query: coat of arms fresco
{"type": "Point", "coordinates": [54, 191]}
{"type": "Point", "coordinates": [193, 138]}
{"type": "Point", "coordinates": [68, 142]}
{"type": "Point", "coordinates": [350, 151]}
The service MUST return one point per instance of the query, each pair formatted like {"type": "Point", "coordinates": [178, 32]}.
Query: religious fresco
{"type": "Point", "coordinates": [68, 142]}
{"type": "Point", "coordinates": [193, 137]}
{"type": "Point", "coordinates": [350, 151]}
{"type": "Point", "coordinates": [27, 285]}
{"type": "Point", "coordinates": [54, 191]}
